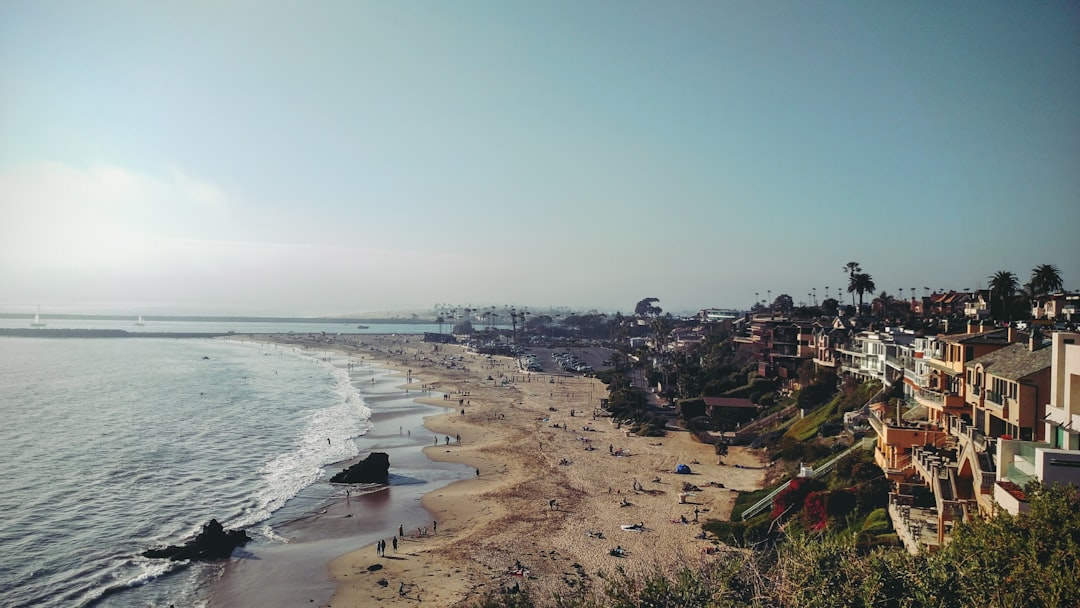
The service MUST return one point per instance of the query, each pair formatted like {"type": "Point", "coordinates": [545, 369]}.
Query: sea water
{"type": "Point", "coordinates": [113, 446]}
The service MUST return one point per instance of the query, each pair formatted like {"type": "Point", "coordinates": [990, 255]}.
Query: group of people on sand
{"type": "Point", "coordinates": [380, 546]}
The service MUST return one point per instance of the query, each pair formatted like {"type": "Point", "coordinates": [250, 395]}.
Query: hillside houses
{"type": "Point", "coordinates": [981, 412]}
{"type": "Point", "coordinates": [779, 344]}
{"type": "Point", "coordinates": [972, 410]}
{"type": "Point", "coordinates": [988, 422]}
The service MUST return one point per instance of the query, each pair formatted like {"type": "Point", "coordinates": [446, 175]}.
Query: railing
{"type": "Point", "coordinates": [876, 423]}
{"type": "Point", "coordinates": [898, 466]}
{"type": "Point", "coordinates": [760, 505]}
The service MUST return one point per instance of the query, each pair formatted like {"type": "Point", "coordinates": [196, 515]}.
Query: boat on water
{"type": "Point", "coordinates": [37, 319]}
{"type": "Point", "coordinates": [361, 327]}
{"type": "Point", "coordinates": [139, 323]}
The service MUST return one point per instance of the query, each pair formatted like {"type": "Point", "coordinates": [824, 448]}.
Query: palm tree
{"type": "Point", "coordinates": [851, 268]}
{"type": "Point", "coordinates": [1003, 284]}
{"type": "Point", "coordinates": [860, 283]}
{"type": "Point", "coordinates": [1046, 278]}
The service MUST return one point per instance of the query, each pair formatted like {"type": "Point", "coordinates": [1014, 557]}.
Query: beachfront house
{"type": "Point", "coordinates": [876, 355]}
{"type": "Point", "coordinates": [828, 337]}
{"type": "Point", "coordinates": [1007, 389]}
{"type": "Point", "coordinates": [1056, 459]}
{"type": "Point", "coordinates": [1062, 417]}
{"type": "Point", "coordinates": [978, 464]}
{"type": "Point", "coordinates": [943, 396]}
{"type": "Point", "coordinates": [978, 306]}
{"type": "Point", "coordinates": [1057, 307]}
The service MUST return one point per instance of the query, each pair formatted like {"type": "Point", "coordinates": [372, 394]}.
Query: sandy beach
{"type": "Point", "coordinates": [552, 486]}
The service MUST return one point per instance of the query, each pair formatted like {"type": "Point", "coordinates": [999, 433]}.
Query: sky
{"type": "Point", "coordinates": [320, 158]}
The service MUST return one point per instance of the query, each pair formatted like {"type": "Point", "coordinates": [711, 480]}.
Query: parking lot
{"type": "Point", "coordinates": [598, 358]}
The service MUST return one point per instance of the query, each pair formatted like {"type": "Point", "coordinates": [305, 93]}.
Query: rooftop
{"type": "Point", "coordinates": [1015, 361]}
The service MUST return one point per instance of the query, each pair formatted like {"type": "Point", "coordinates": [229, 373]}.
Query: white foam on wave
{"type": "Point", "coordinates": [326, 438]}
{"type": "Point", "coordinates": [268, 531]}
{"type": "Point", "coordinates": [148, 570]}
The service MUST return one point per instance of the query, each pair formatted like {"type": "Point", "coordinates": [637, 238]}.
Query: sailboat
{"type": "Point", "coordinates": [37, 319]}
{"type": "Point", "coordinates": [139, 323]}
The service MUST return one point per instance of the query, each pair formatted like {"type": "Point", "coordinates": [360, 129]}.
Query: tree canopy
{"type": "Point", "coordinates": [1046, 278]}
{"type": "Point", "coordinates": [783, 303]}
{"type": "Point", "coordinates": [647, 308]}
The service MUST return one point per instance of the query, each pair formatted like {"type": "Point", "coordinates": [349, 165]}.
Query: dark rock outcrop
{"type": "Point", "coordinates": [214, 542]}
{"type": "Point", "coordinates": [373, 469]}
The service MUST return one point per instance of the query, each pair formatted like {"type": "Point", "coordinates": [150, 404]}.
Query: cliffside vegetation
{"type": "Point", "coordinates": [1027, 561]}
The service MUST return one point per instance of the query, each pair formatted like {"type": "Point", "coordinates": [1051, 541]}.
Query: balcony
{"type": "Point", "coordinates": [919, 528]}
{"type": "Point", "coordinates": [933, 464]}
{"type": "Point", "coordinates": [1019, 461]}
{"type": "Point", "coordinates": [893, 468]}
{"type": "Point", "coordinates": [1011, 497]}
{"type": "Point", "coordinates": [1062, 416]}
{"type": "Point", "coordinates": [932, 398]}
{"type": "Point", "coordinates": [876, 423]}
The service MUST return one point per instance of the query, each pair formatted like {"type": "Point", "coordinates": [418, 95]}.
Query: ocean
{"type": "Point", "coordinates": [113, 446]}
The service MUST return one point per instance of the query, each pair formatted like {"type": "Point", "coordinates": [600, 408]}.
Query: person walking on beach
{"type": "Point", "coordinates": [395, 544]}
{"type": "Point", "coordinates": [400, 531]}
{"type": "Point", "coordinates": [434, 527]}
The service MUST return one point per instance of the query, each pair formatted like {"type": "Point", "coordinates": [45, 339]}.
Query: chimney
{"type": "Point", "coordinates": [1035, 340]}
{"type": "Point", "coordinates": [1011, 335]}
{"type": "Point", "coordinates": [971, 328]}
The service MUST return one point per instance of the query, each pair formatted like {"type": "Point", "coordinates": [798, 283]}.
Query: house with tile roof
{"type": "Point", "coordinates": [1057, 459]}
{"type": "Point", "coordinates": [1008, 388]}
{"type": "Point", "coordinates": [944, 395]}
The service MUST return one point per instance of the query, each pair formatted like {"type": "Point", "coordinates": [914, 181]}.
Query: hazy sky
{"type": "Point", "coordinates": [337, 157]}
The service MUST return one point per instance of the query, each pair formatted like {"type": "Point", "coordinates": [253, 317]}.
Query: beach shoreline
{"type": "Point", "coordinates": [550, 491]}
{"type": "Point", "coordinates": [330, 520]}
{"type": "Point", "coordinates": [547, 491]}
